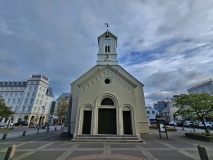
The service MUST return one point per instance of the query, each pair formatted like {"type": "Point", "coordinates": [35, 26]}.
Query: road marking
{"type": "Point", "coordinates": [67, 153]}
{"type": "Point", "coordinates": [146, 153]}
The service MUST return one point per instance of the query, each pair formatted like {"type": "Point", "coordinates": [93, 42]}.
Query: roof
{"type": "Point", "coordinates": [63, 95]}
{"type": "Point", "coordinates": [108, 33]}
{"type": "Point", "coordinates": [114, 70]}
{"type": "Point", "coordinates": [49, 92]}
{"type": "Point", "coordinates": [166, 109]}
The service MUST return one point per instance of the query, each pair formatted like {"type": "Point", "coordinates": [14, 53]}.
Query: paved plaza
{"type": "Point", "coordinates": [49, 146]}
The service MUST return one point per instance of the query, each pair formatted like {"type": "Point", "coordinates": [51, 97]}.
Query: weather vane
{"type": "Point", "coordinates": [107, 25]}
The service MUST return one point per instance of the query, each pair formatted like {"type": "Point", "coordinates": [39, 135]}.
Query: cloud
{"type": "Point", "coordinates": [167, 45]}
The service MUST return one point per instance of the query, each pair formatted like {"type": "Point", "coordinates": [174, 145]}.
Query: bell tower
{"type": "Point", "coordinates": [107, 43]}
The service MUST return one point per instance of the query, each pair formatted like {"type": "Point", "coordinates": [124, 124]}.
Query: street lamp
{"type": "Point", "coordinates": [43, 107]}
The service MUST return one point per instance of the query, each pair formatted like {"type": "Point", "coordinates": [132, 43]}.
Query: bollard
{"type": "Point", "coordinates": [202, 153]}
{"type": "Point", "coordinates": [182, 128]}
{"type": "Point", "coordinates": [24, 132]}
{"type": "Point", "coordinates": [48, 129]}
{"type": "Point", "coordinates": [4, 136]}
{"type": "Point", "coordinates": [10, 152]}
{"type": "Point", "coordinates": [55, 128]}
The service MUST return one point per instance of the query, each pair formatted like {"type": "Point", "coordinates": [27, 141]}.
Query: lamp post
{"type": "Point", "coordinates": [43, 107]}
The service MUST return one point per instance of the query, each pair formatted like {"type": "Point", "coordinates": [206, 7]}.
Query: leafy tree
{"type": "Point", "coordinates": [195, 107]}
{"type": "Point", "coordinates": [62, 107]}
{"type": "Point", "coordinates": [5, 112]}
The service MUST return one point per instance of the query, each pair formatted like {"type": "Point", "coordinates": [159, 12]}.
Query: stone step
{"type": "Point", "coordinates": [105, 141]}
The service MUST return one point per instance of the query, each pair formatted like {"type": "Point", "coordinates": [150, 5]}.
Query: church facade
{"type": "Point", "coordinates": [107, 99]}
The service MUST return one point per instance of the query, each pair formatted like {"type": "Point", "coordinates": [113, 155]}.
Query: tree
{"type": "Point", "coordinates": [62, 107]}
{"type": "Point", "coordinates": [5, 112]}
{"type": "Point", "coordinates": [195, 106]}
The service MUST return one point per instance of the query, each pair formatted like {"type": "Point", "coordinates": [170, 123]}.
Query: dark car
{"type": "Point", "coordinates": [180, 123]}
{"type": "Point", "coordinates": [23, 123]}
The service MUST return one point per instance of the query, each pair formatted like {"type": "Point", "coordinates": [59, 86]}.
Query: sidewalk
{"type": "Point", "coordinates": [17, 132]}
{"type": "Point", "coordinates": [48, 146]}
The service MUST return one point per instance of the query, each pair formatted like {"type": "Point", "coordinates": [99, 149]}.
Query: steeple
{"type": "Point", "coordinates": [107, 43]}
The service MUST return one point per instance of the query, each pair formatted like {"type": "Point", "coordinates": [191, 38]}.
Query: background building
{"type": "Point", "coordinates": [30, 100]}
{"type": "Point", "coordinates": [205, 86]}
{"type": "Point", "coordinates": [160, 105]}
{"type": "Point", "coordinates": [151, 112]}
{"type": "Point", "coordinates": [55, 117]}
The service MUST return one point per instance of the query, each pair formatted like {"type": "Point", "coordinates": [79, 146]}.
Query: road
{"type": "Point", "coordinates": [199, 130]}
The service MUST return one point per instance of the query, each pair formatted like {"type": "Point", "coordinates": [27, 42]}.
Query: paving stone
{"type": "Point", "coordinates": [122, 146]}
{"type": "Point", "coordinates": [31, 146]}
{"type": "Point", "coordinates": [91, 146]}
{"type": "Point", "coordinates": [153, 145]}
{"type": "Point", "coordinates": [59, 145]}
{"type": "Point", "coordinates": [84, 153]}
{"type": "Point", "coordinates": [3, 146]}
{"type": "Point", "coordinates": [44, 155]}
{"type": "Point", "coordinates": [18, 153]}
{"type": "Point", "coordinates": [133, 153]}
{"type": "Point", "coordinates": [171, 155]}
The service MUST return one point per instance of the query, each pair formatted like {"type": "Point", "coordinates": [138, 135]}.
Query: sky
{"type": "Point", "coordinates": [167, 45]}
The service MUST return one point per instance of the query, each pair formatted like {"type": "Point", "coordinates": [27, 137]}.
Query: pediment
{"type": "Point", "coordinates": [107, 71]}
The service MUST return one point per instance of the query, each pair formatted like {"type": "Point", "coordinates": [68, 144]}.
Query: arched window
{"type": "Point", "coordinates": [107, 47]}
{"type": "Point", "coordinates": [107, 101]}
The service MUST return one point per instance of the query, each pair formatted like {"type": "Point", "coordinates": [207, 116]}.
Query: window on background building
{"type": "Point", "coordinates": [35, 87]}
{"type": "Point", "coordinates": [31, 101]}
{"type": "Point", "coordinates": [29, 107]}
{"type": "Point", "coordinates": [33, 94]}
{"type": "Point", "coordinates": [1, 94]}
{"type": "Point", "coordinates": [5, 94]}
{"type": "Point", "coordinates": [210, 89]}
{"type": "Point", "coordinates": [45, 103]}
{"type": "Point", "coordinates": [40, 88]}
{"type": "Point", "coordinates": [40, 102]}
{"type": "Point", "coordinates": [8, 101]}
{"type": "Point", "coordinates": [34, 109]}
{"type": "Point", "coordinates": [147, 112]}
{"type": "Point", "coordinates": [42, 96]}
{"type": "Point", "coordinates": [23, 108]}
{"type": "Point", "coordinates": [36, 101]}
{"type": "Point", "coordinates": [29, 87]}
{"type": "Point", "coordinates": [153, 112]}
{"type": "Point", "coordinates": [47, 97]}
{"type": "Point", "coordinates": [16, 107]}
{"type": "Point", "coordinates": [18, 100]}
{"type": "Point", "coordinates": [43, 90]}
{"type": "Point", "coordinates": [13, 101]}
{"type": "Point", "coordinates": [39, 95]}
{"type": "Point", "coordinates": [11, 94]}
{"type": "Point", "coordinates": [20, 94]}
{"type": "Point", "coordinates": [28, 94]}
{"type": "Point", "coordinates": [16, 94]}
{"type": "Point", "coordinates": [25, 101]}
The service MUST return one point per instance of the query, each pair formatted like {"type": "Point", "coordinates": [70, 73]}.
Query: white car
{"type": "Point", "coordinates": [172, 123]}
{"type": "Point", "coordinates": [208, 125]}
{"type": "Point", "coordinates": [188, 123]}
{"type": "Point", "coordinates": [3, 124]}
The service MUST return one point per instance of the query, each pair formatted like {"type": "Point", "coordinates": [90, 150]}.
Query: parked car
{"type": "Point", "coordinates": [188, 123]}
{"type": "Point", "coordinates": [153, 122]}
{"type": "Point", "coordinates": [172, 123]}
{"type": "Point", "coordinates": [208, 125]}
{"type": "Point", "coordinates": [180, 123]}
{"type": "Point", "coordinates": [3, 124]}
{"type": "Point", "coordinates": [196, 124]}
{"type": "Point", "coordinates": [23, 123]}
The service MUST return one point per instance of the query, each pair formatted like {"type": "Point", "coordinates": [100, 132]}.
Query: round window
{"type": "Point", "coordinates": [107, 81]}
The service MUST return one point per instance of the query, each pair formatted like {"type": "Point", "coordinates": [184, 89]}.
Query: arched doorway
{"type": "Point", "coordinates": [25, 118]}
{"type": "Point", "coordinates": [107, 117]}
{"type": "Point", "coordinates": [87, 120]}
{"type": "Point", "coordinates": [127, 120]}
{"type": "Point", "coordinates": [32, 120]}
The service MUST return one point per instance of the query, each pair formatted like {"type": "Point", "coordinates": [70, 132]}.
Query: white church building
{"type": "Point", "coordinates": [107, 100]}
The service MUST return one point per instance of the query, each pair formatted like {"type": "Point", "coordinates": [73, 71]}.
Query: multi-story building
{"type": "Point", "coordinates": [151, 113]}
{"type": "Point", "coordinates": [30, 100]}
{"type": "Point", "coordinates": [168, 112]}
{"type": "Point", "coordinates": [205, 86]}
{"type": "Point", "coordinates": [160, 105]}
{"type": "Point", "coordinates": [55, 117]}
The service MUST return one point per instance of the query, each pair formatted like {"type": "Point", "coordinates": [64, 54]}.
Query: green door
{"type": "Point", "coordinates": [127, 122]}
{"type": "Point", "coordinates": [107, 121]}
{"type": "Point", "coordinates": [87, 122]}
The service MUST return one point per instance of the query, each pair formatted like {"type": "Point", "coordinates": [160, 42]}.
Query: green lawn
{"type": "Point", "coordinates": [4, 130]}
